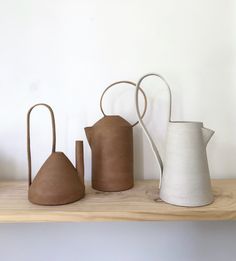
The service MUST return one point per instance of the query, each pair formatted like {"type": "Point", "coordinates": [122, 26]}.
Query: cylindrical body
{"type": "Point", "coordinates": [111, 141]}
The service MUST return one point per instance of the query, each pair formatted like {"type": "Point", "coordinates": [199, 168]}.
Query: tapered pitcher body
{"type": "Point", "coordinates": [186, 178]}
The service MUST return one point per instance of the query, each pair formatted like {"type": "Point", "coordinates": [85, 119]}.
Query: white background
{"type": "Point", "coordinates": [65, 53]}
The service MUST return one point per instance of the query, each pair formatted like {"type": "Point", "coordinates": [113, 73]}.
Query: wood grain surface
{"type": "Point", "coordinates": [138, 204]}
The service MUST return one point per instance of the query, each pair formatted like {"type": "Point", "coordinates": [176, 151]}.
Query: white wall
{"type": "Point", "coordinates": [66, 52]}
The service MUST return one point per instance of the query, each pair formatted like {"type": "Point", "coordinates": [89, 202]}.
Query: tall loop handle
{"type": "Point", "coordinates": [154, 147]}
{"type": "Point", "coordinates": [28, 137]}
{"type": "Point", "coordinates": [128, 82]}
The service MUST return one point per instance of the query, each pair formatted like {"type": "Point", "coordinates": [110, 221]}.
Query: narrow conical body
{"type": "Point", "coordinates": [111, 142]}
{"type": "Point", "coordinates": [56, 183]}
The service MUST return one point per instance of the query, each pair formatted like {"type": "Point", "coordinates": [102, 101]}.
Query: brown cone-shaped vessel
{"type": "Point", "coordinates": [58, 181]}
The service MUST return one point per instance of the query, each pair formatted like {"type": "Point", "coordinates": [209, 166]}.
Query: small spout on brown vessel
{"type": "Point", "coordinates": [79, 151]}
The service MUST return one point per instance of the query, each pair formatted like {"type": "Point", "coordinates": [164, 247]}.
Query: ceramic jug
{"type": "Point", "coordinates": [111, 142]}
{"type": "Point", "coordinates": [57, 182]}
{"type": "Point", "coordinates": [185, 178]}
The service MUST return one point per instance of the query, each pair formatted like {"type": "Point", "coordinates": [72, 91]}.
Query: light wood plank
{"type": "Point", "coordinates": [138, 204]}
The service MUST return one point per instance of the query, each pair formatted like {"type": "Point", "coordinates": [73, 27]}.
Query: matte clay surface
{"type": "Point", "coordinates": [185, 177]}
{"type": "Point", "coordinates": [140, 203]}
{"type": "Point", "coordinates": [57, 182]}
{"type": "Point", "coordinates": [111, 142]}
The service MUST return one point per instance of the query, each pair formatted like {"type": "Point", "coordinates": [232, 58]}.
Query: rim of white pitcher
{"type": "Point", "coordinates": [188, 122]}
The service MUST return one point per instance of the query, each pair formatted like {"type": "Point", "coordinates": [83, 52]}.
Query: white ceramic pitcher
{"type": "Point", "coordinates": [184, 178]}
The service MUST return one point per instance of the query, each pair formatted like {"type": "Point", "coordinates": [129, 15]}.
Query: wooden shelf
{"type": "Point", "coordinates": [138, 204]}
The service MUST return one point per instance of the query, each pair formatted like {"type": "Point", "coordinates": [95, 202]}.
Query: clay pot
{"type": "Point", "coordinates": [58, 181]}
{"type": "Point", "coordinates": [185, 178]}
{"type": "Point", "coordinates": [111, 142]}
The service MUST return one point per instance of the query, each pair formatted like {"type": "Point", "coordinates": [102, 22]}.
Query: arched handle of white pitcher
{"type": "Point", "coordinates": [153, 145]}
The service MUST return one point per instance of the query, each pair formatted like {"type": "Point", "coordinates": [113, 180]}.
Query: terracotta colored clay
{"type": "Point", "coordinates": [57, 181]}
{"type": "Point", "coordinates": [111, 142]}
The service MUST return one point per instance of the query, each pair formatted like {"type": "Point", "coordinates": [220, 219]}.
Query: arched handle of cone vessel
{"type": "Point", "coordinates": [28, 137]}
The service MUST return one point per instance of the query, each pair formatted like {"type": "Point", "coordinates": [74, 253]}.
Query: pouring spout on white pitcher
{"type": "Point", "coordinates": [207, 134]}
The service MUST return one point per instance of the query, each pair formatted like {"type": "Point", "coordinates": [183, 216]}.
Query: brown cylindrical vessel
{"type": "Point", "coordinates": [111, 142]}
